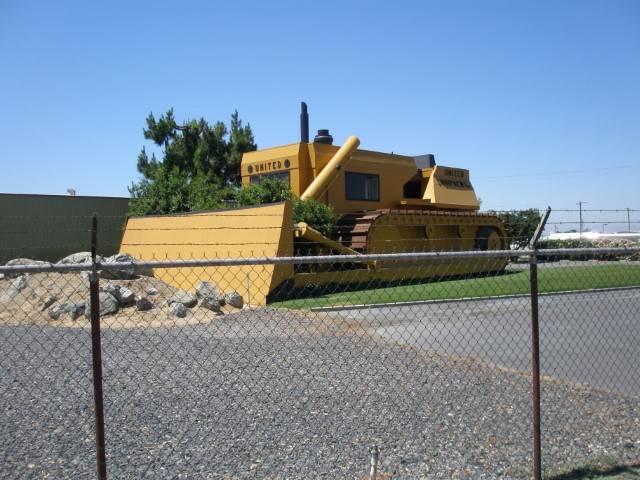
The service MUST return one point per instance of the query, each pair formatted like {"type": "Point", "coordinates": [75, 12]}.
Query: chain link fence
{"type": "Point", "coordinates": [411, 365]}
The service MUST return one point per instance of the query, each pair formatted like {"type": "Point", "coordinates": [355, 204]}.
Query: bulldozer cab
{"type": "Point", "coordinates": [364, 180]}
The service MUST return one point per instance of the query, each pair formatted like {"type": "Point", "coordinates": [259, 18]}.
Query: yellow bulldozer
{"type": "Point", "coordinates": [386, 203]}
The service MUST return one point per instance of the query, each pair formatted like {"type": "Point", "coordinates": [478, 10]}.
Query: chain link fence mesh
{"type": "Point", "coordinates": [204, 382]}
{"type": "Point", "coordinates": [46, 392]}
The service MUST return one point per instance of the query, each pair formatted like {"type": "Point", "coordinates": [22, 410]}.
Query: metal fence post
{"type": "Point", "coordinates": [535, 367]}
{"type": "Point", "coordinates": [539, 229]}
{"type": "Point", "coordinates": [96, 354]}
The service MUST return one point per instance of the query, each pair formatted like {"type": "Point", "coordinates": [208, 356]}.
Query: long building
{"type": "Point", "coordinates": [49, 227]}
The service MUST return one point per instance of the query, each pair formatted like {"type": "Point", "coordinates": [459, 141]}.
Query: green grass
{"type": "Point", "coordinates": [598, 469]}
{"type": "Point", "coordinates": [509, 283]}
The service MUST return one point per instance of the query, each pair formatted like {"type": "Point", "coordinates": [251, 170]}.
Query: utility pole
{"type": "Point", "coordinates": [580, 205]}
{"type": "Point", "coordinates": [628, 220]}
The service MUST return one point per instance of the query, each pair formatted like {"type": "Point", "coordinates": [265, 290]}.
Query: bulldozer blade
{"type": "Point", "coordinates": [259, 231]}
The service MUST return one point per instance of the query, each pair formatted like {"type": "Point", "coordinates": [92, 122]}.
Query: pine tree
{"type": "Point", "coordinates": [200, 164]}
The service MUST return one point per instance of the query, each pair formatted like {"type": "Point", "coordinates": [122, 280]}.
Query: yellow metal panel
{"type": "Point", "coordinates": [338, 163]}
{"type": "Point", "coordinates": [394, 172]}
{"type": "Point", "coordinates": [450, 188]}
{"type": "Point", "coordinates": [238, 233]}
{"type": "Point", "coordinates": [292, 158]}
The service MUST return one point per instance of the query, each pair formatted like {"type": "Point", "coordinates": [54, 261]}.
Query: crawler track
{"type": "Point", "coordinates": [365, 231]}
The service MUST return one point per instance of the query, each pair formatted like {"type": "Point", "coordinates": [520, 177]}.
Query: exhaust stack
{"type": "Point", "coordinates": [304, 123]}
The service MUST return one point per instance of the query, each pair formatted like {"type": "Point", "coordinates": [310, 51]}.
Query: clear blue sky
{"type": "Point", "coordinates": [539, 100]}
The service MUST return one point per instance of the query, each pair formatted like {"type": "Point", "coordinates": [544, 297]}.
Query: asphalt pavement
{"type": "Point", "coordinates": [591, 337]}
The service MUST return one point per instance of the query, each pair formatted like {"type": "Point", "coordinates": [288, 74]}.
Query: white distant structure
{"type": "Point", "coordinates": [633, 236]}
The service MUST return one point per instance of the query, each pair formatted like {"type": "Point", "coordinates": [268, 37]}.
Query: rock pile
{"type": "Point", "coordinates": [618, 243]}
{"type": "Point", "coordinates": [123, 293]}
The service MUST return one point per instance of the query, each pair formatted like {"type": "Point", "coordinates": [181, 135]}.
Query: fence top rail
{"type": "Point", "coordinates": [318, 259]}
{"type": "Point", "coordinates": [41, 267]}
{"type": "Point", "coordinates": [571, 252]}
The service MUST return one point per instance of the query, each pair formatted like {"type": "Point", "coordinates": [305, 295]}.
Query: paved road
{"type": "Point", "coordinates": [589, 338]}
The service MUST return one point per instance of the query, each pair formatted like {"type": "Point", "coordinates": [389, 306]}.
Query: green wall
{"type": "Point", "coordinates": [49, 227]}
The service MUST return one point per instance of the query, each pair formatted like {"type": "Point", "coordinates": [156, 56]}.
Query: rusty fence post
{"type": "Point", "coordinates": [96, 353]}
{"type": "Point", "coordinates": [535, 366]}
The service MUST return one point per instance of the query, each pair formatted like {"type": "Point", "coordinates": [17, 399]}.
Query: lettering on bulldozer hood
{"type": "Point", "coordinates": [453, 177]}
{"type": "Point", "coordinates": [268, 166]}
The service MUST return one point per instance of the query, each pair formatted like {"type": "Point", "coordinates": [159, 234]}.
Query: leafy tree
{"type": "Point", "coordinates": [172, 192]}
{"type": "Point", "coordinates": [270, 190]}
{"type": "Point", "coordinates": [316, 214]}
{"type": "Point", "coordinates": [206, 195]}
{"type": "Point", "coordinates": [200, 164]}
{"type": "Point", "coordinates": [520, 225]}
{"type": "Point", "coordinates": [164, 192]}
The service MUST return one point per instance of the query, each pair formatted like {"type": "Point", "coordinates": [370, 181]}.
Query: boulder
{"type": "Point", "coordinates": [152, 291]}
{"type": "Point", "coordinates": [80, 257]}
{"type": "Point", "coordinates": [178, 310]}
{"type": "Point", "coordinates": [14, 288]}
{"type": "Point", "coordinates": [128, 272]}
{"type": "Point", "coordinates": [85, 278]}
{"type": "Point", "coordinates": [111, 288]}
{"type": "Point", "coordinates": [143, 271]}
{"type": "Point", "coordinates": [1, 276]}
{"type": "Point", "coordinates": [207, 289]}
{"type": "Point", "coordinates": [56, 312]}
{"type": "Point", "coordinates": [211, 303]}
{"type": "Point", "coordinates": [19, 284]}
{"type": "Point", "coordinates": [48, 301]}
{"type": "Point", "coordinates": [185, 298]}
{"type": "Point", "coordinates": [124, 274]}
{"type": "Point", "coordinates": [125, 297]}
{"type": "Point", "coordinates": [143, 304]}
{"type": "Point", "coordinates": [22, 261]}
{"type": "Point", "coordinates": [108, 305]}
{"type": "Point", "coordinates": [77, 310]}
{"type": "Point", "coordinates": [234, 299]}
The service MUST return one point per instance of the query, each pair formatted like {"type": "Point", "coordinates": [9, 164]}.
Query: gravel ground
{"type": "Point", "coordinates": [272, 394]}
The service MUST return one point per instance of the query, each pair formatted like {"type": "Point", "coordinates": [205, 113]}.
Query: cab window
{"type": "Point", "coordinates": [362, 186]}
{"type": "Point", "coordinates": [256, 179]}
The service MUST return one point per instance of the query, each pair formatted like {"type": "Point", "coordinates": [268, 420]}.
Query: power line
{"type": "Point", "coordinates": [566, 172]}
{"type": "Point", "coordinates": [556, 210]}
